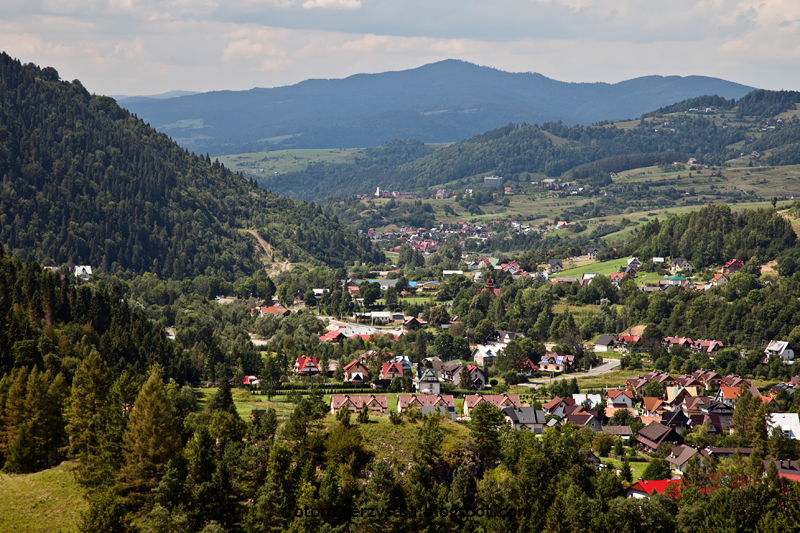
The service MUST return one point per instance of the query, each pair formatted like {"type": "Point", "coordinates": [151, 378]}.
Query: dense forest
{"type": "Point", "coordinates": [84, 182]}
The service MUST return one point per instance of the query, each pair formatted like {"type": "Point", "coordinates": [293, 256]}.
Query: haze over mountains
{"type": "Point", "coordinates": [441, 102]}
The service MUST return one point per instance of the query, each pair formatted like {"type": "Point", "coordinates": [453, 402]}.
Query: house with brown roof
{"type": "Point", "coordinates": [679, 457]}
{"type": "Point", "coordinates": [710, 379]}
{"type": "Point", "coordinates": [707, 346]}
{"type": "Point", "coordinates": [406, 401]}
{"type": "Point", "coordinates": [354, 403]}
{"type": "Point", "coordinates": [557, 362]}
{"type": "Point", "coordinates": [557, 405]}
{"type": "Point", "coordinates": [654, 434]}
{"type": "Point", "coordinates": [583, 420]}
{"type": "Point", "coordinates": [498, 400]}
{"type": "Point", "coordinates": [355, 371]}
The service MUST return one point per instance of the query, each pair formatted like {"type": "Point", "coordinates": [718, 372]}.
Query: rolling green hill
{"type": "Point", "coordinates": [762, 121]}
{"type": "Point", "coordinates": [85, 182]}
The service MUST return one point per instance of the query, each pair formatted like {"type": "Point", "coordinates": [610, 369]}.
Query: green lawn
{"type": "Point", "coordinates": [50, 500]}
{"type": "Point", "coordinates": [637, 468]}
{"type": "Point", "coordinates": [603, 269]}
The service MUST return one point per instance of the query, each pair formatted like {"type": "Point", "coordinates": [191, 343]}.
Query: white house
{"type": "Point", "coordinates": [427, 382]}
{"type": "Point", "coordinates": [789, 424]}
{"type": "Point", "coordinates": [83, 272]}
{"type": "Point", "coordinates": [780, 348]}
{"type": "Point", "coordinates": [594, 399]}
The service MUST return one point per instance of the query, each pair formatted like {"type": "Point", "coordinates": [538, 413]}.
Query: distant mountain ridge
{"type": "Point", "coordinates": [440, 102]}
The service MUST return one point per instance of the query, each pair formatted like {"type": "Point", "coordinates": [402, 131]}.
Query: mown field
{"type": "Point", "coordinates": [47, 501]}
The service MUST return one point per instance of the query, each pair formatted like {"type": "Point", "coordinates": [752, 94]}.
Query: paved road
{"type": "Point", "coordinates": [608, 366]}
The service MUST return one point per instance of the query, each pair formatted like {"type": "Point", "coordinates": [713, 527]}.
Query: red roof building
{"type": "Point", "coordinates": [391, 371]}
{"type": "Point", "coordinates": [306, 366]}
{"type": "Point", "coordinates": [734, 265]}
{"type": "Point", "coordinates": [645, 489]}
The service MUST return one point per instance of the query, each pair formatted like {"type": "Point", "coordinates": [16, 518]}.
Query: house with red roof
{"type": "Point", "coordinates": [732, 266]}
{"type": "Point", "coordinates": [719, 280]}
{"type": "Point", "coordinates": [306, 366]}
{"type": "Point", "coordinates": [332, 336]}
{"type": "Point", "coordinates": [391, 370]}
{"type": "Point", "coordinates": [646, 489]}
{"type": "Point", "coordinates": [707, 346]}
{"type": "Point", "coordinates": [557, 405]}
{"type": "Point", "coordinates": [250, 380]}
{"type": "Point", "coordinates": [619, 398]}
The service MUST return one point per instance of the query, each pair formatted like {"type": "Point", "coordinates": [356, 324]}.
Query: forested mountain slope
{"type": "Point", "coordinates": [516, 151]}
{"type": "Point", "coordinates": [84, 182]}
{"type": "Point", "coordinates": [440, 102]}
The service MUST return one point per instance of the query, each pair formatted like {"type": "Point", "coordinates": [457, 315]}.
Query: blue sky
{"type": "Point", "coordinates": [153, 46]}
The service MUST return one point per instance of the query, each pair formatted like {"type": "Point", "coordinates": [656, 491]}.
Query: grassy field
{"type": "Point", "coordinates": [45, 501]}
{"type": "Point", "coordinates": [637, 468]}
{"type": "Point", "coordinates": [283, 161]}
{"type": "Point", "coordinates": [743, 181]}
{"type": "Point", "coordinates": [602, 269]}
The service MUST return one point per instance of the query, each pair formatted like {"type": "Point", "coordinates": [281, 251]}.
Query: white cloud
{"type": "Point", "coordinates": [151, 46]}
{"type": "Point", "coordinates": [332, 4]}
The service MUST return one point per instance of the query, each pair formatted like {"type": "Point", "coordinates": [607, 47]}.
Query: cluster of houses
{"type": "Point", "coordinates": [427, 240]}
{"type": "Point", "coordinates": [428, 403]}
{"type": "Point", "coordinates": [629, 343]}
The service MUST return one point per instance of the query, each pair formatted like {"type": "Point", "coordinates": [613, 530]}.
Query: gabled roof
{"type": "Point", "coordinates": [524, 415]}
{"type": "Point", "coordinates": [654, 431]}
{"type": "Point", "coordinates": [613, 394]}
{"type": "Point", "coordinates": [652, 487]}
{"type": "Point", "coordinates": [680, 455]}
{"type": "Point", "coordinates": [555, 402]}
{"type": "Point", "coordinates": [471, 400]}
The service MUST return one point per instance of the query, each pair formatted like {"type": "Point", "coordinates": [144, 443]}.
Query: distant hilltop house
{"type": "Point", "coordinates": [782, 349]}
{"type": "Point", "coordinates": [83, 272]}
{"type": "Point", "coordinates": [555, 265]}
{"type": "Point", "coordinates": [493, 181]}
{"type": "Point", "coordinates": [732, 266]}
{"type": "Point", "coordinates": [592, 253]}
{"type": "Point", "coordinates": [442, 193]}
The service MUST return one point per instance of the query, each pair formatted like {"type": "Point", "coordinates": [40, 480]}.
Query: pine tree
{"type": "Point", "coordinates": [151, 440]}
{"type": "Point", "coordinates": [107, 514]}
{"type": "Point", "coordinates": [13, 409]}
{"type": "Point", "coordinates": [20, 453]}
{"type": "Point", "coordinates": [89, 393]}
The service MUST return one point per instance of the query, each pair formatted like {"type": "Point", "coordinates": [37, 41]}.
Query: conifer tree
{"type": "Point", "coordinates": [152, 438]}
{"type": "Point", "coordinates": [89, 394]}
{"type": "Point", "coordinates": [107, 514]}
{"type": "Point", "coordinates": [13, 409]}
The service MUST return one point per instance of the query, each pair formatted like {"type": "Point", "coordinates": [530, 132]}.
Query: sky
{"type": "Point", "coordinates": [143, 47]}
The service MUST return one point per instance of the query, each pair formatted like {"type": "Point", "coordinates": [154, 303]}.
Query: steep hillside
{"type": "Point", "coordinates": [441, 102]}
{"type": "Point", "coordinates": [84, 182]}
